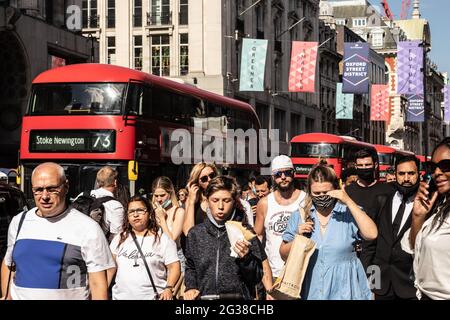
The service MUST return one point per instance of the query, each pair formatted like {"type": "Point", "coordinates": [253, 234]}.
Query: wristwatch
{"type": "Point", "coordinates": [169, 287]}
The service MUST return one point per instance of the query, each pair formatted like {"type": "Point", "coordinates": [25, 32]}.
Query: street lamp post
{"type": "Point", "coordinates": [92, 38]}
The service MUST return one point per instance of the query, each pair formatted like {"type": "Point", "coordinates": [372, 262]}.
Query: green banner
{"type": "Point", "coordinates": [344, 104]}
{"type": "Point", "coordinates": [253, 64]}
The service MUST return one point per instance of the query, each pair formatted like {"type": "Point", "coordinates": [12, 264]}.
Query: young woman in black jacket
{"type": "Point", "coordinates": [210, 270]}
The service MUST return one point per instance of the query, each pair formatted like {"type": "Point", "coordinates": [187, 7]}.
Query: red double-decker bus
{"type": "Point", "coordinates": [387, 156]}
{"type": "Point", "coordinates": [307, 150]}
{"type": "Point", "coordinates": [86, 116]}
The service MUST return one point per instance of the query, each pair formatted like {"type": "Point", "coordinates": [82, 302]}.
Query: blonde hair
{"type": "Point", "coordinates": [197, 170]}
{"type": "Point", "coordinates": [106, 176]}
{"type": "Point", "coordinates": [166, 184]}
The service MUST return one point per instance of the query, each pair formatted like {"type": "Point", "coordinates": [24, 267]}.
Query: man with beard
{"type": "Point", "coordinates": [274, 211]}
{"type": "Point", "coordinates": [393, 221]}
{"type": "Point", "coordinates": [366, 189]}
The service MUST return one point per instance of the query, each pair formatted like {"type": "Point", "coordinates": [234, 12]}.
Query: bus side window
{"type": "Point", "coordinates": [134, 103]}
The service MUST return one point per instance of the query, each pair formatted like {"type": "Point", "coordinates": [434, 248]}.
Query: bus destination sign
{"type": "Point", "coordinates": [72, 141]}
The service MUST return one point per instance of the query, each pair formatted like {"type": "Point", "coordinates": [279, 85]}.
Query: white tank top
{"type": "Point", "coordinates": [275, 223]}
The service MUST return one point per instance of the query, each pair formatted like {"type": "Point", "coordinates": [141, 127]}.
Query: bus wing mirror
{"type": "Point", "coordinates": [132, 170]}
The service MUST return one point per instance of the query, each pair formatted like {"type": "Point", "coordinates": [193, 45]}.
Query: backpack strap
{"type": "Point", "coordinates": [104, 199]}
{"type": "Point", "coordinates": [13, 265]}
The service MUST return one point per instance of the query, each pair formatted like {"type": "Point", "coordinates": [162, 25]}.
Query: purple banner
{"type": "Point", "coordinates": [447, 103]}
{"type": "Point", "coordinates": [409, 67]}
{"type": "Point", "coordinates": [356, 68]}
{"type": "Point", "coordinates": [415, 110]}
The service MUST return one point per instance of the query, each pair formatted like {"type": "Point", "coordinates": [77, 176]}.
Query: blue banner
{"type": "Point", "coordinates": [356, 68]}
{"type": "Point", "coordinates": [415, 110]}
{"type": "Point", "coordinates": [253, 64]}
{"type": "Point", "coordinates": [344, 103]}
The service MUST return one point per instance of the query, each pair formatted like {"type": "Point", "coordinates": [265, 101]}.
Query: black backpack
{"type": "Point", "coordinates": [93, 207]}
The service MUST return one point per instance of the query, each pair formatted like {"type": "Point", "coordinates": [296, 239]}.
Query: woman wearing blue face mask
{"type": "Point", "coordinates": [334, 222]}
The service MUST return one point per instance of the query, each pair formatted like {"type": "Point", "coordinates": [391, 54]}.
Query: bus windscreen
{"type": "Point", "coordinates": [386, 158]}
{"type": "Point", "coordinates": [77, 98]}
{"type": "Point", "coordinates": [314, 150]}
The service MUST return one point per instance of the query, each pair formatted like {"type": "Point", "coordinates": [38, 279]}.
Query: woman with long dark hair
{"type": "Point", "coordinates": [132, 280]}
{"type": "Point", "coordinates": [429, 237]}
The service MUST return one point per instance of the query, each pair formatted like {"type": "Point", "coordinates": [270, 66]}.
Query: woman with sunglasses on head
{"type": "Point", "coordinates": [169, 215]}
{"type": "Point", "coordinates": [201, 174]}
{"type": "Point", "coordinates": [182, 197]}
{"type": "Point", "coordinates": [133, 281]}
{"type": "Point", "coordinates": [210, 269]}
{"type": "Point", "coordinates": [334, 222]}
{"type": "Point", "coordinates": [428, 239]}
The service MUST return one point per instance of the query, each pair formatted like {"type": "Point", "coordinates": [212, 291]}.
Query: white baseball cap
{"type": "Point", "coordinates": [281, 162]}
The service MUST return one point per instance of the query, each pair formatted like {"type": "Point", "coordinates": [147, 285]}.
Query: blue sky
{"type": "Point", "coordinates": [436, 12]}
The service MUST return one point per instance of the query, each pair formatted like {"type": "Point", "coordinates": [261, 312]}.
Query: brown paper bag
{"type": "Point", "coordinates": [289, 284]}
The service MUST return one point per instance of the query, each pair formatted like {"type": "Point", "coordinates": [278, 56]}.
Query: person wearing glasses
{"type": "Point", "coordinates": [196, 205]}
{"type": "Point", "coordinates": [54, 251]}
{"type": "Point", "coordinates": [428, 239]}
{"type": "Point", "coordinates": [273, 212]}
{"type": "Point", "coordinates": [132, 280]}
{"type": "Point", "coordinates": [334, 222]}
{"type": "Point", "coordinates": [182, 197]}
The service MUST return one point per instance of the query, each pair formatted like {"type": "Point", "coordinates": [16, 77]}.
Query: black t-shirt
{"type": "Point", "coordinates": [366, 197]}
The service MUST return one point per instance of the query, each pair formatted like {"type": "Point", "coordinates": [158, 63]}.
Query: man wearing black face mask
{"type": "Point", "coordinates": [394, 219]}
{"type": "Point", "coordinates": [366, 189]}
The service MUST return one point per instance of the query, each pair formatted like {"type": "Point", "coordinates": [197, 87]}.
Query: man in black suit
{"type": "Point", "coordinates": [393, 220]}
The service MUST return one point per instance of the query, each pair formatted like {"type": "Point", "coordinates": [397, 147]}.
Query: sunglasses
{"type": "Point", "coordinates": [205, 179]}
{"type": "Point", "coordinates": [287, 174]}
{"type": "Point", "coordinates": [444, 165]}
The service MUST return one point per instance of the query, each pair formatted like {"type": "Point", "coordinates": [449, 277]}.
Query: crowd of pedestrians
{"type": "Point", "coordinates": [373, 240]}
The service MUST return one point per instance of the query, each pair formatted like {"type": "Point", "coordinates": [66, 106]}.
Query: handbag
{"type": "Point", "coordinates": [145, 264]}
{"type": "Point", "coordinates": [288, 286]}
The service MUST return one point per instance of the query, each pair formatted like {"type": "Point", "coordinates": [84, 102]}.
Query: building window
{"type": "Point", "coordinates": [89, 14]}
{"type": "Point", "coordinates": [137, 14]}
{"type": "Point", "coordinates": [262, 111]}
{"type": "Point", "coordinates": [184, 54]}
{"type": "Point", "coordinates": [280, 123]}
{"type": "Point", "coordinates": [309, 125]}
{"type": "Point", "coordinates": [359, 22]}
{"type": "Point", "coordinates": [184, 14]}
{"type": "Point", "coordinates": [296, 127]}
{"type": "Point", "coordinates": [377, 39]}
{"type": "Point", "coordinates": [111, 18]}
{"type": "Point", "coordinates": [111, 50]}
{"type": "Point", "coordinates": [341, 22]}
{"type": "Point", "coordinates": [137, 46]}
{"type": "Point", "coordinates": [161, 55]}
{"type": "Point", "coordinates": [160, 12]}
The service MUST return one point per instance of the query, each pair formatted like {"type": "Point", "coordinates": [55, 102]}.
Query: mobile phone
{"type": "Point", "coordinates": [166, 203]}
{"type": "Point", "coordinates": [253, 201]}
{"type": "Point", "coordinates": [428, 178]}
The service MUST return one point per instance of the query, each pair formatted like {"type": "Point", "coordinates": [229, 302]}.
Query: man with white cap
{"type": "Point", "coordinates": [274, 211]}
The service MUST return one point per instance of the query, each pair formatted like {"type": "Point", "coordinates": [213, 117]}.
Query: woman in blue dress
{"type": "Point", "coordinates": [334, 222]}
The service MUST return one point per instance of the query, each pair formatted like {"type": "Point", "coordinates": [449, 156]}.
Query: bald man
{"type": "Point", "coordinates": [54, 251]}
